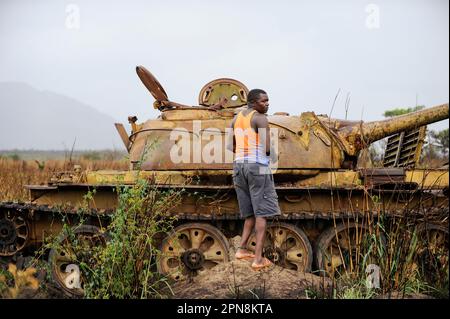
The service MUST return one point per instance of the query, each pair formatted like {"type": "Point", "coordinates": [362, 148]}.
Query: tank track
{"type": "Point", "coordinates": [29, 209]}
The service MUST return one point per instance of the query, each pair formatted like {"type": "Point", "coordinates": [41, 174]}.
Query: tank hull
{"type": "Point", "coordinates": [310, 197]}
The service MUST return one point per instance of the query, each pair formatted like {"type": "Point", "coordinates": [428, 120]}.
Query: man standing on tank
{"type": "Point", "coordinates": [252, 177]}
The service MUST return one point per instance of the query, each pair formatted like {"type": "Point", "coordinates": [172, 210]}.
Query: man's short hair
{"type": "Point", "coordinates": [253, 95]}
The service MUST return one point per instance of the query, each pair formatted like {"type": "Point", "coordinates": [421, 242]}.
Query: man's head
{"type": "Point", "coordinates": [258, 100]}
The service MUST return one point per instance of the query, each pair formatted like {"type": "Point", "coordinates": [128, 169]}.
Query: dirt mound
{"type": "Point", "coordinates": [236, 279]}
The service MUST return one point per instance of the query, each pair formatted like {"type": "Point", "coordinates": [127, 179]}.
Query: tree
{"type": "Point", "coordinates": [401, 111]}
{"type": "Point", "coordinates": [437, 146]}
{"type": "Point", "coordinates": [441, 138]}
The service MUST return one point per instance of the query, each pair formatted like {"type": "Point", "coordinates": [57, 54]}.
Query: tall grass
{"type": "Point", "coordinates": [14, 174]}
{"type": "Point", "coordinates": [126, 265]}
{"type": "Point", "coordinates": [120, 261]}
{"type": "Point", "coordinates": [406, 260]}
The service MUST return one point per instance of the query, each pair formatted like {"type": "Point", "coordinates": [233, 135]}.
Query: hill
{"type": "Point", "coordinates": [44, 120]}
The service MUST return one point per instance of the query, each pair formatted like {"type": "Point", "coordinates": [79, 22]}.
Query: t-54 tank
{"type": "Point", "coordinates": [324, 194]}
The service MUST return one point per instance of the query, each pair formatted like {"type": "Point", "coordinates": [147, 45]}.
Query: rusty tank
{"type": "Point", "coordinates": [324, 192]}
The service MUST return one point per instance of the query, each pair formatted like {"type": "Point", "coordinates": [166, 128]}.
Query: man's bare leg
{"type": "Point", "coordinates": [260, 228]}
{"type": "Point", "coordinates": [248, 228]}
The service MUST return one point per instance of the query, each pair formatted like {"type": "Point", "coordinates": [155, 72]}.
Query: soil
{"type": "Point", "coordinates": [236, 279]}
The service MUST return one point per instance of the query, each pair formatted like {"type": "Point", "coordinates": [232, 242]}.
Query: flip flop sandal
{"type": "Point", "coordinates": [247, 255]}
{"type": "Point", "coordinates": [266, 263]}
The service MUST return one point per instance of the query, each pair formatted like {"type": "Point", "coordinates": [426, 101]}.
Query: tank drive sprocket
{"type": "Point", "coordinates": [14, 233]}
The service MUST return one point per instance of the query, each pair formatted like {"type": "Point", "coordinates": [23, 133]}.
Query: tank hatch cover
{"type": "Point", "coordinates": [224, 92]}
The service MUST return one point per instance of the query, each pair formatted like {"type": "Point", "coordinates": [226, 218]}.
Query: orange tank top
{"type": "Point", "coordinates": [248, 146]}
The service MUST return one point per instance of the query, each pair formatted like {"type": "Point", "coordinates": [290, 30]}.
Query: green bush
{"type": "Point", "coordinates": [125, 266]}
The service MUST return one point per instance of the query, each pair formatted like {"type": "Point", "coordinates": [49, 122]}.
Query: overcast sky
{"type": "Point", "coordinates": [387, 54]}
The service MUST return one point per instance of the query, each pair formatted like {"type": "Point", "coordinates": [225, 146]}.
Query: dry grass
{"type": "Point", "coordinates": [14, 174]}
{"type": "Point", "coordinates": [22, 280]}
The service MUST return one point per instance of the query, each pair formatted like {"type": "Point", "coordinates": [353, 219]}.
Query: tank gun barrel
{"type": "Point", "coordinates": [374, 131]}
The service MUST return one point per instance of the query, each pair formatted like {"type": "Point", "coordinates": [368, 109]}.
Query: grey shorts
{"type": "Point", "coordinates": [255, 190]}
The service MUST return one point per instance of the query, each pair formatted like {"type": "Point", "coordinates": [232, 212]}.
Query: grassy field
{"type": "Point", "coordinates": [64, 155]}
{"type": "Point", "coordinates": [16, 172]}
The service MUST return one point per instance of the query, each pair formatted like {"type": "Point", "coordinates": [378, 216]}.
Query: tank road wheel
{"type": "Point", "coordinates": [191, 248]}
{"type": "Point", "coordinates": [65, 261]}
{"type": "Point", "coordinates": [287, 246]}
{"type": "Point", "coordinates": [433, 253]}
{"type": "Point", "coordinates": [339, 250]}
{"type": "Point", "coordinates": [14, 232]}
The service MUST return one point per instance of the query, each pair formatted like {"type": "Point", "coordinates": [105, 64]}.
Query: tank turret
{"type": "Point", "coordinates": [194, 137]}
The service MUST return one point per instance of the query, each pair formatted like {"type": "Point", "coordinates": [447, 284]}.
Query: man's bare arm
{"type": "Point", "coordinates": [262, 125]}
{"type": "Point", "coordinates": [231, 140]}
